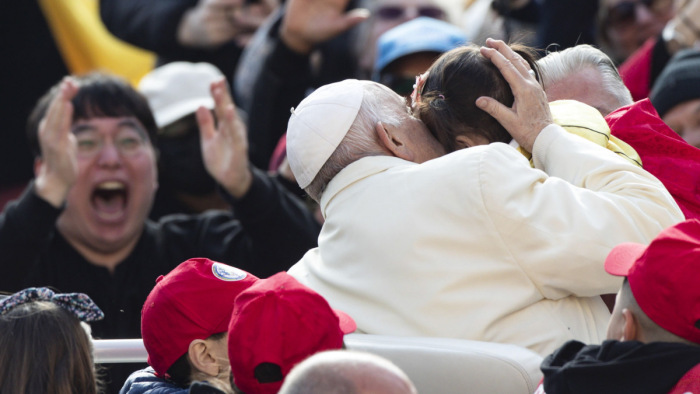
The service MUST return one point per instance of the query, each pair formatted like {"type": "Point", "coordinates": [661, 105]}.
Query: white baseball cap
{"type": "Point", "coordinates": [318, 124]}
{"type": "Point", "coordinates": [177, 89]}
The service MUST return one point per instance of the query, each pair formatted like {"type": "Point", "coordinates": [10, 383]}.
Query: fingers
{"type": "Point", "coordinates": [206, 124]}
{"type": "Point", "coordinates": [59, 115]}
{"type": "Point", "coordinates": [498, 111]}
{"type": "Point", "coordinates": [506, 67]}
{"type": "Point", "coordinates": [353, 17]}
{"type": "Point", "coordinates": [222, 98]}
{"type": "Point", "coordinates": [515, 59]}
{"type": "Point", "coordinates": [225, 110]}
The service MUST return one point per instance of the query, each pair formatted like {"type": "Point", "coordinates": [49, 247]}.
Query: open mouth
{"type": "Point", "coordinates": [109, 200]}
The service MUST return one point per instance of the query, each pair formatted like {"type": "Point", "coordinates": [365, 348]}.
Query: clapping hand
{"type": "Point", "coordinates": [58, 165]}
{"type": "Point", "coordinates": [225, 144]}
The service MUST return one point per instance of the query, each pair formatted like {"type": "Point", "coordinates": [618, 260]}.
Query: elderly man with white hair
{"type": "Point", "coordinates": [475, 244]}
{"type": "Point", "coordinates": [585, 74]}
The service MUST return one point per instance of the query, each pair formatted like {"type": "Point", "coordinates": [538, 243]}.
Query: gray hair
{"type": "Point", "coordinates": [379, 103]}
{"type": "Point", "coordinates": [557, 66]}
{"type": "Point", "coordinates": [338, 371]}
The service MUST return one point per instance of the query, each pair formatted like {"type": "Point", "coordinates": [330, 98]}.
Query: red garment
{"type": "Point", "coordinates": [636, 70]}
{"type": "Point", "coordinates": [689, 383]}
{"type": "Point", "coordinates": [663, 152]}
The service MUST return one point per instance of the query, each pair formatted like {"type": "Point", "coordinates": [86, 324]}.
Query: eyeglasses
{"type": "Point", "coordinates": [624, 14]}
{"type": "Point", "coordinates": [393, 12]}
{"type": "Point", "coordinates": [128, 142]}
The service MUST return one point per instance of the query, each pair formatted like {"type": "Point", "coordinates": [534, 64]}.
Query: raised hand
{"type": "Point", "coordinates": [225, 145]}
{"type": "Point", "coordinates": [530, 111]}
{"type": "Point", "coordinates": [58, 166]}
{"type": "Point", "coordinates": [308, 23]}
{"type": "Point", "coordinates": [212, 23]}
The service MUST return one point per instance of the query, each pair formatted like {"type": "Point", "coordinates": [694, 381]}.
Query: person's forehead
{"type": "Point", "coordinates": [109, 124]}
{"type": "Point", "coordinates": [586, 86]}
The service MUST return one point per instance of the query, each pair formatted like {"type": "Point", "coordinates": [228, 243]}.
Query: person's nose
{"type": "Point", "coordinates": [410, 13]}
{"type": "Point", "coordinates": [109, 155]}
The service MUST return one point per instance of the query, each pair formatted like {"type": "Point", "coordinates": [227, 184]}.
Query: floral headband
{"type": "Point", "coordinates": [416, 96]}
{"type": "Point", "coordinates": [418, 90]}
{"type": "Point", "coordinates": [79, 304]}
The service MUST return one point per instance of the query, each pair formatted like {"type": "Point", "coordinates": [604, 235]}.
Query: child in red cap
{"type": "Point", "coordinates": [184, 326]}
{"type": "Point", "coordinates": [654, 331]}
{"type": "Point", "coordinates": [277, 323]}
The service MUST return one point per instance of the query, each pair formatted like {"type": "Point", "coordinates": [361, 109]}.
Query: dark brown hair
{"type": "Point", "coordinates": [99, 95]}
{"type": "Point", "coordinates": [448, 97]}
{"type": "Point", "coordinates": [45, 350]}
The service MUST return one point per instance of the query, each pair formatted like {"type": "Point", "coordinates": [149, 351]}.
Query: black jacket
{"type": "Point", "coordinates": [618, 367]}
{"type": "Point", "coordinates": [271, 231]}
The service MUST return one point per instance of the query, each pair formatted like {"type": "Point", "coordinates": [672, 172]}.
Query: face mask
{"type": "Point", "coordinates": [181, 165]}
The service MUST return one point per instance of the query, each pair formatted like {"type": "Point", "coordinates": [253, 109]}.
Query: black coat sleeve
{"type": "Point", "coordinates": [270, 231]}
{"type": "Point", "coordinates": [279, 225]}
{"type": "Point", "coordinates": [26, 227]}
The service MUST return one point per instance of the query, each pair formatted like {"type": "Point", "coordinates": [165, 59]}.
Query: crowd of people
{"type": "Point", "coordinates": [486, 170]}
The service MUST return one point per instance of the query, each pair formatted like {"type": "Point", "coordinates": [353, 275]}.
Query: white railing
{"type": "Point", "coordinates": [436, 365]}
{"type": "Point", "coordinates": [119, 351]}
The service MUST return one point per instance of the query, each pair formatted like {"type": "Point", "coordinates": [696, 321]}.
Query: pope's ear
{"type": "Point", "coordinates": [390, 137]}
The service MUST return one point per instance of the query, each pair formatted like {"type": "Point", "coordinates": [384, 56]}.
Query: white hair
{"type": "Point", "coordinates": [379, 103]}
{"type": "Point", "coordinates": [343, 372]}
{"type": "Point", "coordinates": [557, 66]}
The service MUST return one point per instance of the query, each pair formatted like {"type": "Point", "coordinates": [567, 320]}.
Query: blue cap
{"type": "Point", "coordinates": [422, 34]}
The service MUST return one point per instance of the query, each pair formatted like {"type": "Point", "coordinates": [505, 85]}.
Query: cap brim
{"type": "Point", "coordinates": [623, 257]}
{"type": "Point", "coordinates": [347, 324]}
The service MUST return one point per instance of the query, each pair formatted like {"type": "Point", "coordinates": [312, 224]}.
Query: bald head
{"type": "Point", "coordinates": [347, 372]}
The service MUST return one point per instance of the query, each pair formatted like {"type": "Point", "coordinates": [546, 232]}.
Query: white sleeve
{"type": "Point", "coordinates": [560, 225]}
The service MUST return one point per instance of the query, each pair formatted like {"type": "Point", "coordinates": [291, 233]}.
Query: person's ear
{"type": "Point", "coordinates": [392, 140]}
{"type": "Point", "coordinates": [37, 166]}
{"type": "Point", "coordinates": [630, 330]}
{"type": "Point", "coordinates": [201, 358]}
{"type": "Point", "coordinates": [463, 141]}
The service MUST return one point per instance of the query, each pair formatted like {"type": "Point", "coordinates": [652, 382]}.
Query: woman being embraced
{"type": "Point", "coordinates": [445, 98]}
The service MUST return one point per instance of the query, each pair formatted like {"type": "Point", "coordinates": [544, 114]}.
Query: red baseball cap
{"type": "Point", "coordinates": [277, 323]}
{"type": "Point", "coordinates": [664, 277]}
{"type": "Point", "coordinates": [193, 301]}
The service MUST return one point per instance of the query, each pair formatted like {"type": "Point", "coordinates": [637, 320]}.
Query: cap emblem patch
{"type": "Point", "coordinates": [227, 273]}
